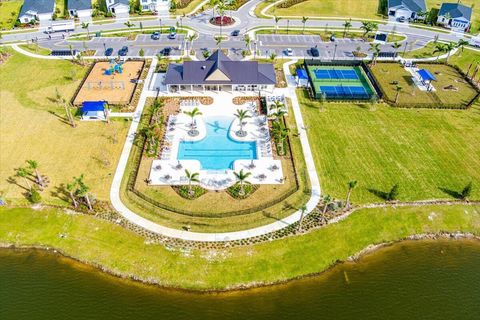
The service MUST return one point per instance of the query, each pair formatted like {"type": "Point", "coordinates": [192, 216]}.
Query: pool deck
{"type": "Point", "coordinates": [169, 170]}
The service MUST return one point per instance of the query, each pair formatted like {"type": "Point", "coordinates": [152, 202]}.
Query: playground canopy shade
{"type": "Point", "coordinates": [426, 75]}
{"type": "Point", "coordinates": [93, 106]}
{"type": "Point", "coordinates": [302, 74]}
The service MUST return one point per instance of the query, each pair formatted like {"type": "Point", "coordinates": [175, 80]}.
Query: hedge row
{"type": "Point", "coordinates": [289, 3]}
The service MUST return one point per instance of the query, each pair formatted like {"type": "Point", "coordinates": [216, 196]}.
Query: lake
{"type": "Point", "coordinates": [410, 280]}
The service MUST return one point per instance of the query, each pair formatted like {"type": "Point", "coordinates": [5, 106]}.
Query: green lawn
{"type": "Point", "coordinates": [422, 150]}
{"type": "Point", "coordinates": [389, 73]}
{"type": "Point", "coordinates": [9, 11]}
{"type": "Point", "coordinates": [32, 127]}
{"type": "Point", "coordinates": [465, 58]}
{"type": "Point", "coordinates": [121, 251]}
{"type": "Point", "coordinates": [327, 35]}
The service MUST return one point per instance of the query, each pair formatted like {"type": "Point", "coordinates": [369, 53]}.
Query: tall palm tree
{"type": "Point", "coordinates": [242, 179]}
{"type": "Point", "coordinates": [221, 8]}
{"type": "Point", "coordinates": [398, 89]}
{"type": "Point", "coordinates": [346, 26]}
{"type": "Point", "coordinates": [23, 173]}
{"type": "Point", "coordinates": [191, 177]}
{"type": "Point", "coordinates": [303, 209]}
{"type": "Point", "coordinates": [440, 48]}
{"type": "Point", "coordinates": [248, 41]}
{"type": "Point", "coordinates": [327, 199]}
{"type": "Point", "coordinates": [375, 47]}
{"type": "Point", "coordinates": [304, 21]}
{"type": "Point", "coordinates": [192, 114]}
{"type": "Point", "coordinates": [82, 190]}
{"type": "Point", "coordinates": [242, 115]}
{"type": "Point", "coordinates": [86, 25]}
{"type": "Point", "coordinates": [273, 56]}
{"type": "Point", "coordinates": [368, 26]}
{"type": "Point", "coordinates": [277, 19]}
{"type": "Point", "coordinates": [33, 165]}
{"type": "Point", "coordinates": [71, 188]}
{"type": "Point", "coordinates": [278, 105]}
{"type": "Point", "coordinates": [68, 111]}
{"type": "Point", "coordinates": [213, 4]}
{"type": "Point", "coordinates": [149, 134]}
{"type": "Point", "coordinates": [190, 39]}
{"type": "Point", "coordinates": [351, 185]}
{"type": "Point", "coordinates": [449, 47]}
{"type": "Point", "coordinates": [278, 114]}
{"type": "Point", "coordinates": [280, 134]}
{"type": "Point", "coordinates": [396, 46]}
{"type": "Point", "coordinates": [129, 25]}
{"type": "Point", "coordinates": [219, 41]}
{"type": "Point", "coordinates": [461, 44]}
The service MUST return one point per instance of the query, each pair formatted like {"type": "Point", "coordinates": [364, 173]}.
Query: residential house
{"type": "Point", "coordinates": [119, 8]}
{"type": "Point", "coordinates": [81, 9]}
{"type": "Point", "coordinates": [40, 10]}
{"type": "Point", "coordinates": [220, 73]}
{"type": "Point", "coordinates": [406, 9]}
{"type": "Point", "coordinates": [455, 16]}
{"type": "Point", "coordinates": [160, 6]}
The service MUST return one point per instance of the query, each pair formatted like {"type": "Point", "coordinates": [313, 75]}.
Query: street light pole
{"type": "Point", "coordinates": [160, 22]}
{"type": "Point", "coordinates": [335, 51]}
{"type": "Point", "coordinates": [288, 25]}
{"type": "Point", "coordinates": [405, 49]}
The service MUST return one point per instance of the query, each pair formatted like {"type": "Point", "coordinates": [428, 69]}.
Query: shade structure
{"type": "Point", "coordinates": [426, 75]}
{"type": "Point", "coordinates": [93, 106]}
{"type": "Point", "coordinates": [302, 74]}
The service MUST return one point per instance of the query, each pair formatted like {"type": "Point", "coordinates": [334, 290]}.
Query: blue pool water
{"type": "Point", "coordinates": [217, 151]}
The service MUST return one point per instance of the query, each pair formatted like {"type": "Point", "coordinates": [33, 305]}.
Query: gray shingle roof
{"type": "Point", "coordinates": [239, 72]}
{"type": "Point", "coordinates": [412, 5]}
{"type": "Point", "coordinates": [127, 2]}
{"type": "Point", "coordinates": [39, 6]}
{"type": "Point", "coordinates": [79, 4]}
{"type": "Point", "coordinates": [456, 10]}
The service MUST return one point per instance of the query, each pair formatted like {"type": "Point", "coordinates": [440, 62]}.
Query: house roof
{"type": "Point", "coordinates": [220, 69]}
{"type": "Point", "coordinates": [412, 5]}
{"type": "Point", "coordinates": [456, 10]}
{"type": "Point", "coordinates": [426, 75]}
{"type": "Point", "coordinates": [80, 4]}
{"type": "Point", "coordinates": [38, 6]}
{"type": "Point", "coordinates": [125, 2]}
{"type": "Point", "coordinates": [92, 106]}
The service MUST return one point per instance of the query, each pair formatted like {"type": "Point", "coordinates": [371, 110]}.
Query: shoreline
{"type": "Point", "coordinates": [370, 249]}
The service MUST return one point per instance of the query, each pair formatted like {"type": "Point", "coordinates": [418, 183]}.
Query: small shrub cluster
{"type": "Point", "coordinates": [289, 3]}
{"type": "Point", "coordinates": [179, 4]}
{"type": "Point", "coordinates": [185, 192]}
{"type": "Point", "coordinates": [235, 191]}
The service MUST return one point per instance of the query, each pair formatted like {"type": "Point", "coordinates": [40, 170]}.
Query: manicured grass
{"type": "Point", "coordinates": [60, 8]}
{"type": "Point", "coordinates": [192, 5]}
{"type": "Point", "coordinates": [388, 73]}
{"type": "Point", "coordinates": [423, 150]}
{"type": "Point", "coordinates": [424, 52]}
{"type": "Point", "coordinates": [121, 251]}
{"type": "Point", "coordinates": [465, 58]}
{"type": "Point", "coordinates": [261, 6]}
{"type": "Point", "coordinates": [35, 48]}
{"type": "Point", "coordinates": [208, 209]}
{"type": "Point", "coordinates": [32, 127]}
{"type": "Point", "coordinates": [327, 35]}
{"type": "Point", "coordinates": [9, 11]}
{"type": "Point", "coordinates": [331, 8]}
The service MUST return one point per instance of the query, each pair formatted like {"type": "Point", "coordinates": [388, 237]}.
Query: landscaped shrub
{"type": "Point", "coordinates": [184, 192]}
{"type": "Point", "coordinates": [35, 196]}
{"type": "Point", "coordinates": [235, 190]}
{"type": "Point", "coordinates": [289, 3]}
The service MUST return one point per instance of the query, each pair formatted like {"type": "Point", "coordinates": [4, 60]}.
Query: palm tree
{"type": "Point", "coordinates": [351, 185]}
{"type": "Point", "coordinates": [440, 48]}
{"type": "Point", "coordinates": [33, 165]}
{"type": "Point", "coordinates": [157, 110]}
{"type": "Point", "coordinates": [67, 106]}
{"type": "Point", "coordinates": [213, 4]}
{"type": "Point", "coordinates": [327, 199]}
{"type": "Point", "coordinates": [449, 47]}
{"type": "Point", "coordinates": [82, 190]}
{"type": "Point", "coordinates": [241, 115]}
{"type": "Point", "coordinates": [190, 39]}
{"type": "Point", "coordinates": [71, 50]}
{"type": "Point", "coordinates": [248, 41]}
{"type": "Point", "coordinates": [23, 173]}
{"type": "Point", "coordinates": [242, 179]}
{"type": "Point", "coordinates": [71, 188]}
{"type": "Point", "coordinates": [219, 41]}
{"type": "Point", "coordinates": [280, 133]}
{"type": "Point", "coordinates": [221, 8]}
{"type": "Point", "coordinates": [398, 89]}
{"type": "Point", "coordinates": [304, 21]}
{"type": "Point", "coordinates": [368, 26]}
{"type": "Point", "coordinates": [273, 56]}
{"type": "Point", "coordinates": [278, 114]}
{"type": "Point", "coordinates": [278, 105]}
{"type": "Point", "coordinates": [303, 209]}
{"type": "Point", "coordinates": [396, 46]}
{"type": "Point", "coordinates": [149, 134]}
{"type": "Point", "coordinates": [129, 24]}
{"type": "Point", "coordinates": [375, 47]}
{"type": "Point", "coordinates": [347, 25]}
{"type": "Point", "coordinates": [462, 43]}
{"type": "Point", "coordinates": [277, 19]}
{"type": "Point", "coordinates": [85, 25]}
{"type": "Point", "coordinates": [191, 177]}
{"type": "Point", "coordinates": [192, 114]}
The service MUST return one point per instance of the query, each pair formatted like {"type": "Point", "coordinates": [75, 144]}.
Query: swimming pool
{"type": "Point", "coordinates": [217, 151]}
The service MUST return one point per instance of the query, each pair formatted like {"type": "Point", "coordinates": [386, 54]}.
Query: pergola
{"type": "Point", "coordinates": [426, 77]}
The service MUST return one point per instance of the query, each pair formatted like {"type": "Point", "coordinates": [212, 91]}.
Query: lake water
{"type": "Point", "coordinates": [412, 280]}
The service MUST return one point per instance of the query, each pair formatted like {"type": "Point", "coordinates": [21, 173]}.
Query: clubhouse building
{"type": "Point", "coordinates": [220, 73]}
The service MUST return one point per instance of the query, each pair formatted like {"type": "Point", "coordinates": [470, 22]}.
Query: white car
{"type": "Point", "coordinates": [289, 52]}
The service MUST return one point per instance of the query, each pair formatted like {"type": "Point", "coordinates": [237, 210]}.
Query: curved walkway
{"type": "Point", "coordinates": [210, 237]}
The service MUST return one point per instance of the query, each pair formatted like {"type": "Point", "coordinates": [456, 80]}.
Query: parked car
{"type": "Point", "coordinates": [172, 35]}
{"type": "Point", "coordinates": [235, 33]}
{"type": "Point", "coordinates": [123, 51]}
{"type": "Point", "coordinates": [401, 19]}
{"type": "Point", "coordinates": [314, 52]}
{"type": "Point", "coordinates": [109, 52]}
{"type": "Point", "coordinates": [166, 51]}
{"type": "Point", "coordinates": [155, 35]}
{"type": "Point", "coordinates": [289, 52]}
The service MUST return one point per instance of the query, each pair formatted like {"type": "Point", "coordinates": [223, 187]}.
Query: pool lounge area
{"type": "Point", "coordinates": [216, 152]}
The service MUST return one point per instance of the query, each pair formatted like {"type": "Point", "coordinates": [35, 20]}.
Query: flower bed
{"type": "Point", "coordinates": [222, 21]}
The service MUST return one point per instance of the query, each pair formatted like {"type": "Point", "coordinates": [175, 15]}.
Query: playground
{"type": "Point", "coordinates": [112, 81]}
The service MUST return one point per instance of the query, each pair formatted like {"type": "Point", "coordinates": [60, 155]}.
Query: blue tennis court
{"type": "Point", "coordinates": [345, 92]}
{"type": "Point", "coordinates": [336, 74]}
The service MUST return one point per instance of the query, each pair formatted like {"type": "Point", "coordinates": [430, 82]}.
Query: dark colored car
{"type": "Point", "coordinates": [109, 52]}
{"type": "Point", "coordinates": [155, 35]}
{"type": "Point", "coordinates": [314, 52]}
{"type": "Point", "coordinates": [123, 51]}
{"type": "Point", "coordinates": [235, 33]}
{"type": "Point", "coordinates": [172, 35]}
{"type": "Point", "coordinates": [166, 51]}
